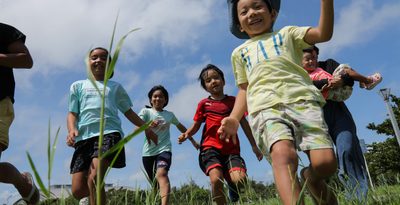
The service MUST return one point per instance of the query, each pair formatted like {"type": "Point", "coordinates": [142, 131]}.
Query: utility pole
{"type": "Point", "coordinates": [385, 93]}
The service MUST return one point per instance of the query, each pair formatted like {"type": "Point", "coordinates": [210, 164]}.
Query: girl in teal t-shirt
{"type": "Point", "coordinates": [157, 158]}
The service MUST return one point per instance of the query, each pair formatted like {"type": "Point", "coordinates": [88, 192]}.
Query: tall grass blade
{"type": "Point", "coordinates": [126, 139]}
{"type": "Point", "coordinates": [37, 177]}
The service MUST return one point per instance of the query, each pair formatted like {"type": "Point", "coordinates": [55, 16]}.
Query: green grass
{"type": "Point", "coordinates": [192, 194]}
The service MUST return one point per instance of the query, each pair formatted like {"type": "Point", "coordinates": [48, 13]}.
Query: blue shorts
{"type": "Point", "coordinates": [152, 163]}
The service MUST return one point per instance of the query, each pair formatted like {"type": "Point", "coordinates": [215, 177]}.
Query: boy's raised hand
{"type": "Point", "coordinates": [228, 129]}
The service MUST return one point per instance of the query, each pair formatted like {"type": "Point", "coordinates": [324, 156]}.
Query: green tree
{"type": "Point", "coordinates": [383, 157]}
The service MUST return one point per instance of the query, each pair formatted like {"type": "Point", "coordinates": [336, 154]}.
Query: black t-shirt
{"type": "Point", "coordinates": [8, 35]}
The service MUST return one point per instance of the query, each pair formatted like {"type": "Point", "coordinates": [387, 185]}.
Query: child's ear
{"type": "Point", "coordinates": [240, 28]}
{"type": "Point", "coordinates": [274, 15]}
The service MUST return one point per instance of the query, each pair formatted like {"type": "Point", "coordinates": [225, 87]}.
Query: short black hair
{"type": "Point", "coordinates": [311, 49]}
{"type": "Point", "coordinates": [204, 72]}
{"type": "Point", "coordinates": [162, 89]}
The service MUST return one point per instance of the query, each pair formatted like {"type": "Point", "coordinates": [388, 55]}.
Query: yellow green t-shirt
{"type": "Point", "coordinates": [271, 65]}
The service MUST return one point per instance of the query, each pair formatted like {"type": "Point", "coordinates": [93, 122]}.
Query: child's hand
{"type": "Point", "coordinates": [228, 129]}
{"type": "Point", "coordinates": [154, 123]}
{"type": "Point", "coordinates": [72, 134]}
{"type": "Point", "coordinates": [182, 138]}
{"type": "Point", "coordinates": [258, 153]}
{"type": "Point", "coordinates": [335, 83]}
{"type": "Point", "coordinates": [151, 136]}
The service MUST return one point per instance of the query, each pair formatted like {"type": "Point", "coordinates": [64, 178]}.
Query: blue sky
{"type": "Point", "coordinates": [177, 38]}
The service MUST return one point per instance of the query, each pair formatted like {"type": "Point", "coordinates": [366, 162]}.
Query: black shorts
{"type": "Point", "coordinates": [152, 163]}
{"type": "Point", "coordinates": [212, 158]}
{"type": "Point", "coordinates": [86, 150]}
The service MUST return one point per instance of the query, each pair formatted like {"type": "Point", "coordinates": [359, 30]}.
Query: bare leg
{"type": "Point", "coordinates": [322, 165]}
{"type": "Point", "coordinates": [79, 186]}
{"type": "Point", "coordinates": [11, 175]}
{"type": "Point", "coordinates": [284, 165]}
{"type": "Point", "coordinates": [165, 188]}
{"type": "Point", "coordinates": [238, 178]}
{"type": "Point", "coordinates": [358, 77]}
{"type": "Point", "coordinates": [92, 178]}
{"type": "Point", "coordinates": [216, 177]}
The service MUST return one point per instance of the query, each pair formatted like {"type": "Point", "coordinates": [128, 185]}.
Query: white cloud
{"type": "Point", "coordinates": [184, 101]}
{"type": "Point", "coordinates": [361, 21]}
{"type": "Point", "coordinates": [59, 33]}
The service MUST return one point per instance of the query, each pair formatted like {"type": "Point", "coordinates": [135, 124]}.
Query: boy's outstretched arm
{"type": "Point", "coordinates": [136, 120]}
{"type": "Point", "coordinates": [72, 130]}
{"type": "Point", "coordinates": [189, 133]}
{"type": "Point", "coordinates": [324, 31]}
{"type": "Point", "coordinates": [247, 131]}
{"type": "Point", "coordinates": [230, 125]}
{"type": "Point", "coordinates": [183, 130]}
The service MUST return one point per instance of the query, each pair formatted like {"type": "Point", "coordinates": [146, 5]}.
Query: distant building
{"type": "Point", "coordinates": [62, 191]}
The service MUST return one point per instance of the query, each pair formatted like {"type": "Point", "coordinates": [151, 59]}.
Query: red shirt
{"type": "Point", "coordinates": [212, 112]}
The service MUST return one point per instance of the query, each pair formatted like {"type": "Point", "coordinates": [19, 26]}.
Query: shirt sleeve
{"type": "Point", "coordinates": [239, 66]}
{"type": "Point", "coordinates": [174, 120]}
{"type": "Point", "coordinates": [73, 99]}
{"type": "Point", "coordinates": [123, 100]}
{"type": "Point", "coordinates": [199, 115]}
{"type": "Point", "coordinates": [298, 34]}
{"type": "Point", "coordinates": [143, 114]}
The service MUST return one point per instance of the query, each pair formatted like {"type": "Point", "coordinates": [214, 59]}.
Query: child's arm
{"type": "Point", "coordinates": [189, 133]}
{"type": "Point", "coordinates": [136, 120]}
{"type": "Point", "coordinates": [323, 32]}
{"type": "Point", "coordinates": [72, 130]}
{"type": "Point", "coordinates": [17, 57]}
{"type": "Point", "coordinates": [230, 125]}
{"type": "Point", "coordinates": [183, 130]}
{"type": "Point", "coordinates": [247, 131]}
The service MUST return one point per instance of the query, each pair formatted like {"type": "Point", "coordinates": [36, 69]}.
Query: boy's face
{"type": "Point", "coordinates": [309, 61]}
{"type": "Point", "coordinates": [214, 83]}
{"type": "Point", "coordinates": [97, 62]}
{"type": "Point", "coordinates": [254, 17]}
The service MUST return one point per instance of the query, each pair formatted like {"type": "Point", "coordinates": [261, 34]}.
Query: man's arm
{"type": "Point", "coordinates": [330, 66]}
{"type": "Point", "coordinates": [18, 56]}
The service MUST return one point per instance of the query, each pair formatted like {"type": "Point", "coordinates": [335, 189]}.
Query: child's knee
{"type": "Point", "coordinates": [79, 192]}
{"type": "Point", "coordinates": [238, 177]}
{"type": "Point", "coordinates": [326, 168]}
{"type": "Point", "coordinates": [283, 153]}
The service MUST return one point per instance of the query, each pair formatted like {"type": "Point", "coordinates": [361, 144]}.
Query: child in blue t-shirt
{"type": "Point", "coordinates": [157, 158]}
{"type": "Point", "coordinates": [83, 123]}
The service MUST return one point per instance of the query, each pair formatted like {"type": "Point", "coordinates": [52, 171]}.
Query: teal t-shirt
{"type": "Point", "coordinates": [85, 100]}
{"type": "Point", "coordinates": [165, 119]}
